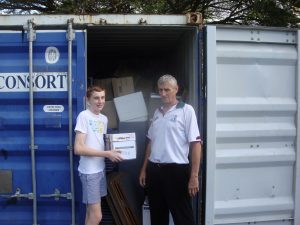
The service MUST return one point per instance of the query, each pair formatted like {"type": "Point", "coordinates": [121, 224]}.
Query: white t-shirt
{"type": "Point", "coordinates": [94, 126]}
{"type": "Point", "coordinates": [171, 134]}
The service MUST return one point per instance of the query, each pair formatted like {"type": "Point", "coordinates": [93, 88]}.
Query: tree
{"type": "Point", "coordinates": [27, 7]}
{"type": "Point", "coordinates": [67, 6]}
{"type": "Point", "coordinates": [249, 12]}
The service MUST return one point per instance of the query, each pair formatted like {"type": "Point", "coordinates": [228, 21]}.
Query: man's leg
{"type": "Point", "coordinates": [159, 212]}
{"type": "Point", "coordinates": [179, 201]}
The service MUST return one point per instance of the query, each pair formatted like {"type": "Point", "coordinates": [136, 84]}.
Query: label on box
{"type": "Point", "coordinates": [121, 137]}
{"type": "Point", "coordinates": [127, 148]}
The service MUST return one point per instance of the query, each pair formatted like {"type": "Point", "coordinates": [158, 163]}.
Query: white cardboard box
{"type": "Point", "coordinates": [131, 108]}
{"type": "Point", "coordinates": [125, 142]}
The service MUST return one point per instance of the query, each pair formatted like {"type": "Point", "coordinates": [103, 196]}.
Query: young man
{"type": "Point", "coordinates": [89, 144]}
{"type": "Point", "coordinates": [166, 170]}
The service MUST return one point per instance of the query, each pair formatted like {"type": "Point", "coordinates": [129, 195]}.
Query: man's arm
{"type": "Point", "coordinates": [193, 185]}
{"type": "Point", "coordinates": [81, 149]}
{"type": "Point", "coordinates": [142, 177]}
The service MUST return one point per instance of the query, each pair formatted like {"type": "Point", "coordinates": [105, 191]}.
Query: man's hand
{"type": "Point", "coordinates": [142, 178]}
{"type": "Point", "coordinates": [193, 186]}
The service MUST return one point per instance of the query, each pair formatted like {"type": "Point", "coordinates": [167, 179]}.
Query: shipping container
{"type": "Point", "coordinates": [242, 81]}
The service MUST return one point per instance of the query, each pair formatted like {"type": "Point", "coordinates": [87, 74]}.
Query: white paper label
{"type": "Point", "coordinates": [53, 108]}
{"type": "Point", "coordinates": [127, 148]}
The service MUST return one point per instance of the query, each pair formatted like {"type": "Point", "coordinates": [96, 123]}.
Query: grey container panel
{"type": "Point", "coordinates": [252, 96]}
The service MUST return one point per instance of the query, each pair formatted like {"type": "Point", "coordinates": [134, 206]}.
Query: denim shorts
{"type": "Point", "coordinates": [93, 187]}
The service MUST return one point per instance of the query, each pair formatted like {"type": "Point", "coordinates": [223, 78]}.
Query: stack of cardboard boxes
{"type": "Point", "coordinates": [123, 104]}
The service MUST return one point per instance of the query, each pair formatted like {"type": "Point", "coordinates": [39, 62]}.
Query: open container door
{"type": "Point", "coordinates": [124, 47]}
{"type": "Point", "coordinates": [252, 126]}
{"type": "Point", "coordinates": [36, 125]}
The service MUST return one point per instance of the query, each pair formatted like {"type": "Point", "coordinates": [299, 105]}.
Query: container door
{"type": "Point", "coordinates": [51, 125]}
{"type": "Point", "coordinates": [252, 126]}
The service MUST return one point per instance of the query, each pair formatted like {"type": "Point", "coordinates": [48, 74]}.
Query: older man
{"type": "Point", "coordinates": [166, 171]}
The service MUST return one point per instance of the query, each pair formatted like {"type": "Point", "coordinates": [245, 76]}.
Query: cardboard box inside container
{"type": "Point", "coordinates": [154, 103]}
{"type": "Point", "coordinates": [125, 142]}
{"type": "Point", "coordinates": [110, 112]}
{"type": "Point", "coordinates": [122, 86]}
{"type": "Point", "coordinates": [145, 86]}
{"type": "Point", "coordinates": [107, 85]}
{"type": "Point", "coordinates": [131, 108]}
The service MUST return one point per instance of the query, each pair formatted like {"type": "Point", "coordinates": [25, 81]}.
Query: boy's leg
{"type": "Point", "coordinates": [93, 214]}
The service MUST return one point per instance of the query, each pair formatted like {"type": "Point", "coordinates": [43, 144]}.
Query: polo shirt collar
{"type": "Point", "coordinates": [179, 105]}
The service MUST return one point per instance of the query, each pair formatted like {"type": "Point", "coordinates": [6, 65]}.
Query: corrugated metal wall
{"type": "Point", "coordinates": [51, 123]}
{"type": "Point", "coordinates": [252, 104]}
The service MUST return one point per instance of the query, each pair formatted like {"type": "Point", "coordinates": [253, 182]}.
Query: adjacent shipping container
{"type": "Point", "coordinates": [242, 81]}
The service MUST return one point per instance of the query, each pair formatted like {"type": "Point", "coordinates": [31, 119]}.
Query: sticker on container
{"type": "Point", "coordinates": [53, 108]}
{"type": "Point", "coordinates": [52, 55]}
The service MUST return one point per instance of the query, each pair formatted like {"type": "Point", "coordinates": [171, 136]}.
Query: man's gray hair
{"type": "Point", "coordinates": [167, 78]}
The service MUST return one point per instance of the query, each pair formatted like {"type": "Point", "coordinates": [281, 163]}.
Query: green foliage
{"type": "Point", "coordinates": [94, 6]}
{"type": "Point", "coordinates": [273, 13]}
{"type": "Point", "coordinates": [283, 13]}
{"type": "Point", "coordinates": [152, 7]}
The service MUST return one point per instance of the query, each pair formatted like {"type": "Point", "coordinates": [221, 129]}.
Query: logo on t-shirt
{"type": "Point", "coordinates": [174, 118]}
{"type": "Point", "coordinates": [97, 126]}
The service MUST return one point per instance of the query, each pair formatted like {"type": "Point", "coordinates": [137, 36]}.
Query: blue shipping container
{"type": "Point", "coordinates": [51, 125]}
